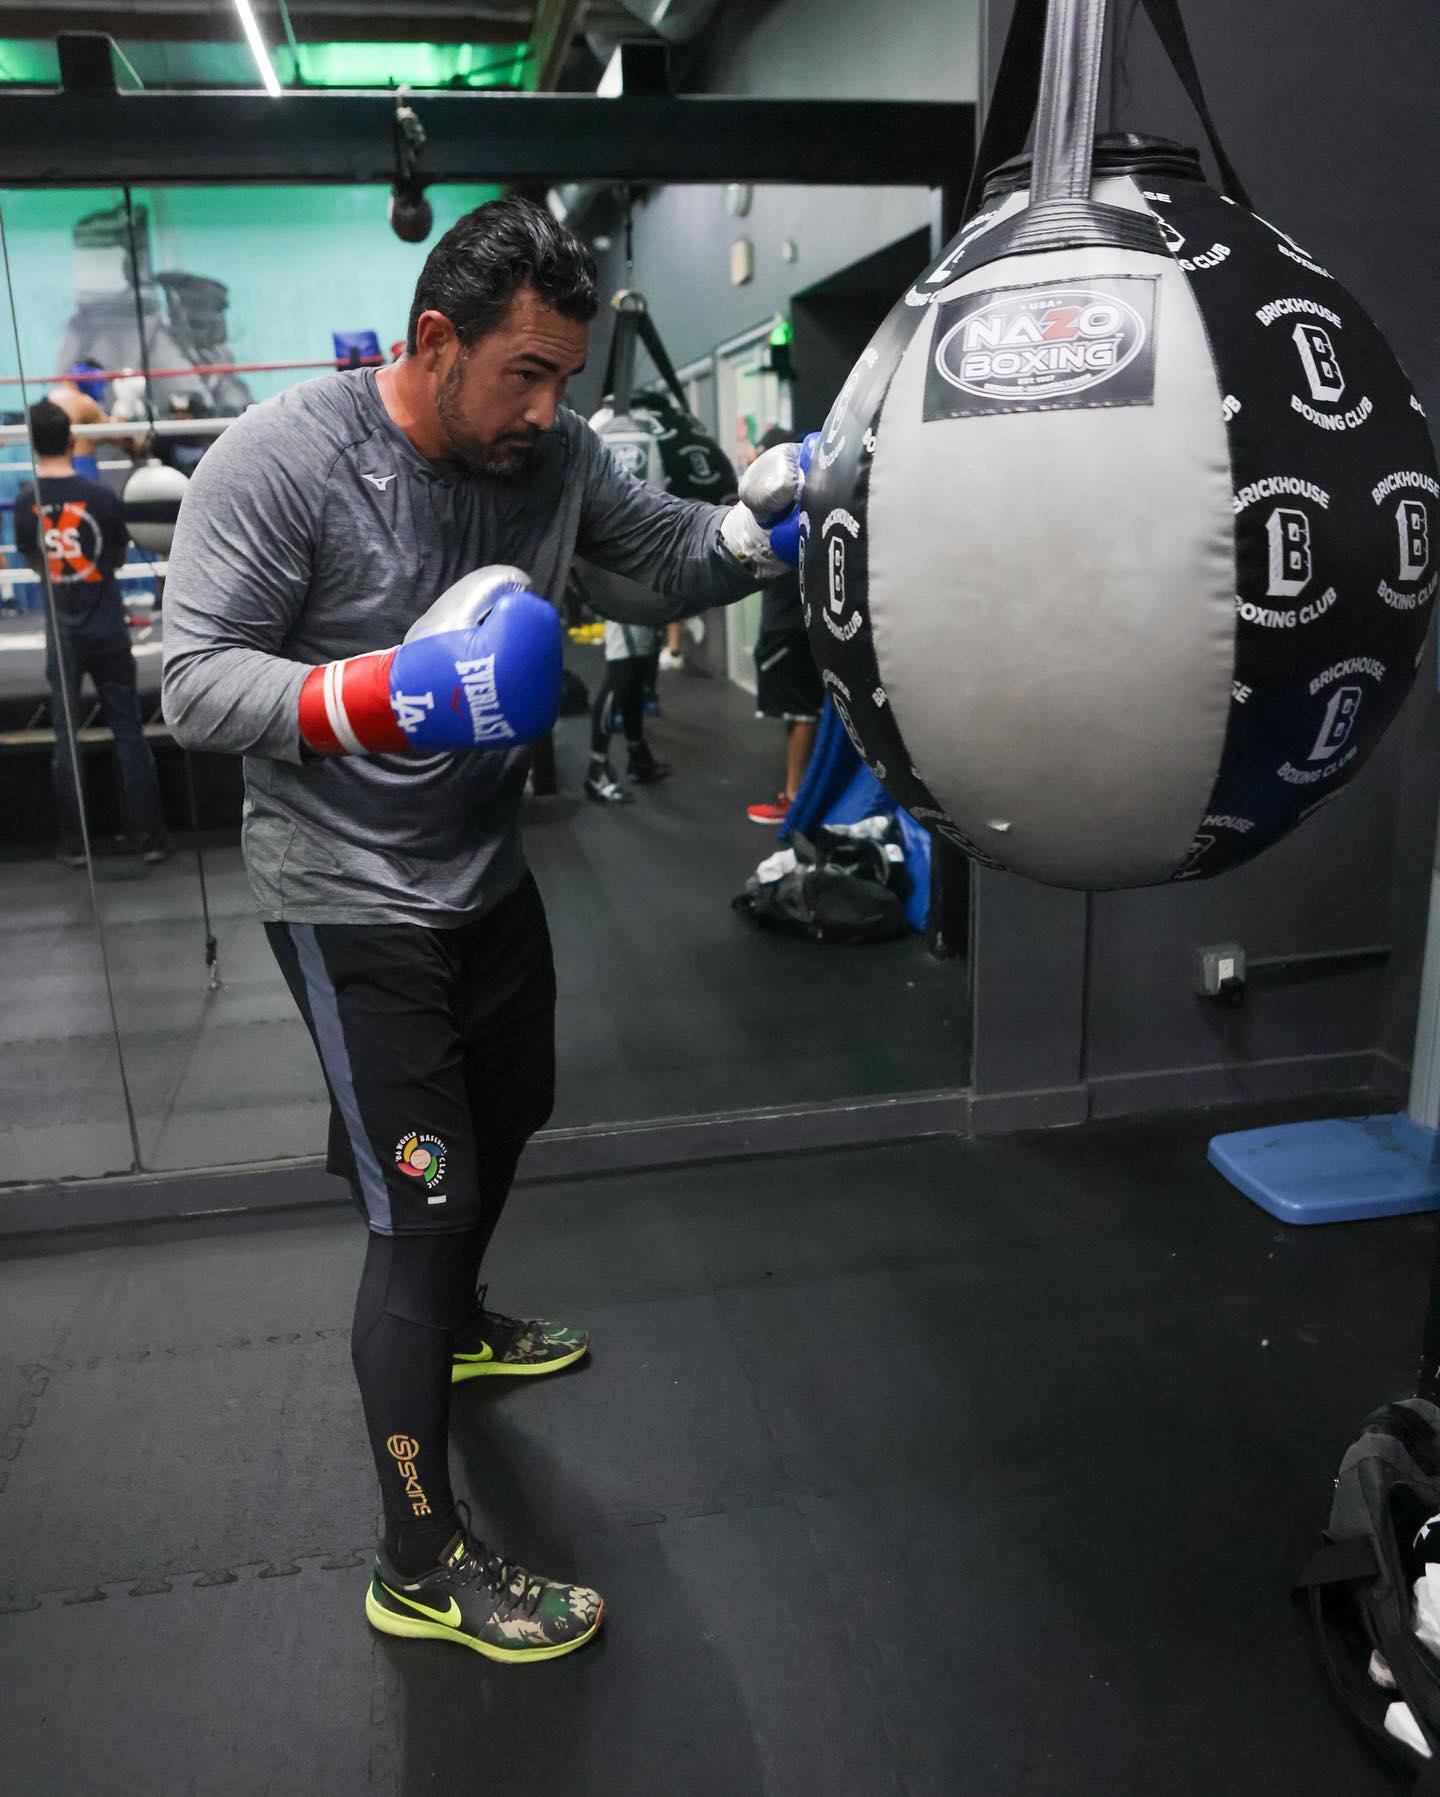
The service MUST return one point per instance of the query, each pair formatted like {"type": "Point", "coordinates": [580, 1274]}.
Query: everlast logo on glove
{"type": "Point", "coordinates": [477, 678]}
{"type": "Point", "coordinates": [1044, 347]}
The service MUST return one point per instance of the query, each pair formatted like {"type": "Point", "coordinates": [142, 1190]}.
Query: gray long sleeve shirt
{"type": "Point", "coordinates": [314, 529]}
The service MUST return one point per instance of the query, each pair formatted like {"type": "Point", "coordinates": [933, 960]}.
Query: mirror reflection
{"type": "Point", "coordinates": [76, 768]}
{"type": "Point", "coordinates": [740, 917]}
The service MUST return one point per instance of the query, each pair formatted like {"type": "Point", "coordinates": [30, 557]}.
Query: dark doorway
{"type": "Point", "coordinates": [836, 318]}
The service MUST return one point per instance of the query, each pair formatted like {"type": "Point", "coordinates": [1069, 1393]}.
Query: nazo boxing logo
{"type": "Point", "coordinates": [1037, 347]}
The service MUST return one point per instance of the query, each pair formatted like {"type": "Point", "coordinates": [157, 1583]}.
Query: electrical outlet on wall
{"type": "Point", "coordinates": [1220, 972]}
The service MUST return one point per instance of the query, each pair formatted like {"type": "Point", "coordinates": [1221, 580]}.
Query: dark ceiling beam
{"type": "Point", "coordinates": [315, 24]}
{"type": "Point", "coordinates": [49, 139]}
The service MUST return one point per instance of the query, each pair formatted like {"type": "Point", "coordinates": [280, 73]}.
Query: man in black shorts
{"type": "Point", "coordinates": [381, 820]}
{"type": "Point", "coordinates": [85, 540]}
{"type": "Point", "coordinates": [787, 681]}
{"type": "Point", "coordinates": [788, 686]}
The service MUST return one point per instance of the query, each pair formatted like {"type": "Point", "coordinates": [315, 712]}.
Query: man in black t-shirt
{"type": "Point", "coordinates": [85, 540]}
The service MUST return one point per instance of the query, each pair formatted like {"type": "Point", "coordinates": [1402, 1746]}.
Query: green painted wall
{"type": "Point", "coordinates": [299, 263]}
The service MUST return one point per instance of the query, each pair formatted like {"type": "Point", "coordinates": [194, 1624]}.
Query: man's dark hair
{"type": "Point", "coordinates": [485, 258]}
{"type": "Point", "coordinates": [49, 428]}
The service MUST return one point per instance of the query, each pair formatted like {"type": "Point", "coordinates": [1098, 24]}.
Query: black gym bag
{"type": "Point", "coordinates": [845, 889]}
{"type": "Point", "coordinates": [1360, 1583]}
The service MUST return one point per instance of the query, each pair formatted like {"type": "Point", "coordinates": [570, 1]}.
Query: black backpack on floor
{"type": "Point", "coordinates": [1360, 1583]}
{"type": "Point", "coordinates": [845, 889]}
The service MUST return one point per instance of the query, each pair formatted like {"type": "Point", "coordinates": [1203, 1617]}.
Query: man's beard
{"type": "Point", "coordinates": [506, 458]}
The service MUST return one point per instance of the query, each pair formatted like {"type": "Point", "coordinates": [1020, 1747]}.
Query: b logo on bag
{"type": "Point", "coordinates": [1340, 715]}
{"type": "Point", "coordinates": [1412, 528]}
{"type": "Point", "coordinates": [634, 458]}
{"type": "Point", "coordinates": [1200, 847]}
{"type": "Point", "coordinates": [1174, 241]}
{"type": "Point", "coordinates": [702, 470]}
{"type": "Point", "coordinates": [1321, 364]}
{"type": "Point", "coordinates": [1413, 523]}
{"type": "Point", "coordinates": [840, 699]}
{"type": "Point", "coordinates": [834, 439]}
{"type": "Point", "coordinates": [838, 532]}
{"type": "Point", "coordinates": [1026, 348]}
{"type": "Point", "coordinates": [1288, 531]}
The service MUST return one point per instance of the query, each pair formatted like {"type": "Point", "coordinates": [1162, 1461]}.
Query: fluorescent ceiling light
{"type": "Point", "coordinates": [257, 49]}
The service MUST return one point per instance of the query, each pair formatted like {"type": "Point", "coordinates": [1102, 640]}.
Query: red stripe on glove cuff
{"type": "Point", "coordinates": [345, 707]}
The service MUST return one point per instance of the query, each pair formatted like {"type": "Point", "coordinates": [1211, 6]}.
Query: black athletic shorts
{"type": "Point", "coordinates": [438, 1048]}
{"type": "Point", "coordinates": [787, 682]}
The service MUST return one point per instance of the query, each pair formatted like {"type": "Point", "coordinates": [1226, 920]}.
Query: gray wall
{"type": "Point", "coordinates": [682, 252]}
{"type": "Point", "coordinates": [820, 49]}
{"type": "Point", "coordinates": [843, 50]}
{"type": "Point", "coordinates": [1086, 1005]}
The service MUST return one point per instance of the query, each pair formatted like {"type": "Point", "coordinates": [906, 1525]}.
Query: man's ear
{"type": "Point", "coordinates": [434, 339]}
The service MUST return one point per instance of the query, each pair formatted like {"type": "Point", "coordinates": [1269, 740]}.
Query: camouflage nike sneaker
{"type": "Point", "coordinates": [478, 1600]}
{"type": "Point", "coordinates": [500, 1344]}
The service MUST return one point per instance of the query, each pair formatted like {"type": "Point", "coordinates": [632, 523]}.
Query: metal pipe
{"type": "Point", "coordinates": [162, 427]}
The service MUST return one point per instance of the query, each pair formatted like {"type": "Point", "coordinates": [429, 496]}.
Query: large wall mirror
{"type": "Point", "coordinates": [135, 961]}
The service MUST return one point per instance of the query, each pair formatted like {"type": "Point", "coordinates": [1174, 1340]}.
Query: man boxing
{"type": "Point", "coordinates": [382, 793]}
{"type": "Point", "coordinates": [78, 396]}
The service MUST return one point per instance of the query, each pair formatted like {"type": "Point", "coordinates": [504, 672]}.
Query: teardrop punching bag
{"type": "Point", "coordinates": [653, 436]}
{"type": "Point", "coordinates": [1119, 545]}
{"type": "Point", "coordinates": [652, 432]}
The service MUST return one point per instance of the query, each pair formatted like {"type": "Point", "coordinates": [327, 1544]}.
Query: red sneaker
{"type": "Point", "coordinates": [775, 812]}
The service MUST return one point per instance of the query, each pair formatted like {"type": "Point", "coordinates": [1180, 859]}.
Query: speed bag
{"type": "Point", "coordinates": [1118, 561]}
{"type": "Point", "coordinates": [151, 499]}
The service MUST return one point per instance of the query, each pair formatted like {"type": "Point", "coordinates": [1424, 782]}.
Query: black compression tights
{"type": "Point", "coordinates": [622, 694]}
{"type": "Point", "coordinates": [415, 1291]}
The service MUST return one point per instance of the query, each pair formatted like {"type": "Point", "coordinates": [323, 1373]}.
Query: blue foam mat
{"type": "Point", "coordinates": [1338, 1170]}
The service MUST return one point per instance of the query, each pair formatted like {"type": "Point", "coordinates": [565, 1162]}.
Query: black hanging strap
{"type": "Point", "coordinates": [1013, 100]}
{"type": "Point", "coordinates": [633, 324]}
{"type": "Point", "coordinates": [1069, 97]}
{"type": "Point", "coordinates": [1016, 94]}
{"type": "Point", "coordinates": [1170, 29]}
{"type": "Point", "coordinates": [650, 337]}
{"type": "Point", "coordinates": [620, 365]}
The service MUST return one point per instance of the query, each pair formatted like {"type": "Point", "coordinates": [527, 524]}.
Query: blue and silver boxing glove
{"type": "Point", "coordinates": [480, 669]}
{"type": "Point", "coordinates": [762, 530]}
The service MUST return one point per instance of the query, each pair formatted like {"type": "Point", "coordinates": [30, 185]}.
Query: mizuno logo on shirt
{"type": "Point", "coordinates": [380, 481]}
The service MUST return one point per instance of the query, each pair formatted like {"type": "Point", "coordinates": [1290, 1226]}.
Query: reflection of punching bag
{"type": "Point", "coordinates": [1119, 542]}
{"type": "Point", "coordinates": [152, 503]}
{"type": "Point", "coordinates": [654, 437]}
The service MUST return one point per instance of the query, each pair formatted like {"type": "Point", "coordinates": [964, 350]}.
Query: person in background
{"type": "Point", "coordinates": [184, 453]}
{"type": "Point", "coordinates": [85, 540]}
{"type": "Point", "coordinates": [672, 656]}
{"type": "Point", "coordinates": [787, 681]}
{"type": "Point", "coordinates": [80, 396]}
{"type": "Point", "coordinates": [630, 651]}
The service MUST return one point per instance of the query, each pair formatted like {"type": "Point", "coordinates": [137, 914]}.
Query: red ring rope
{"type": "Point", "coordinates": [167, 374]}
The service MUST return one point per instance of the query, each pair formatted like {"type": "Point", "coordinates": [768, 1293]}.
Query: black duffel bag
{"type": "Point", "coordinates": [842, 889]}
{"type": "Point", "coordinates": [1383, 1529]}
